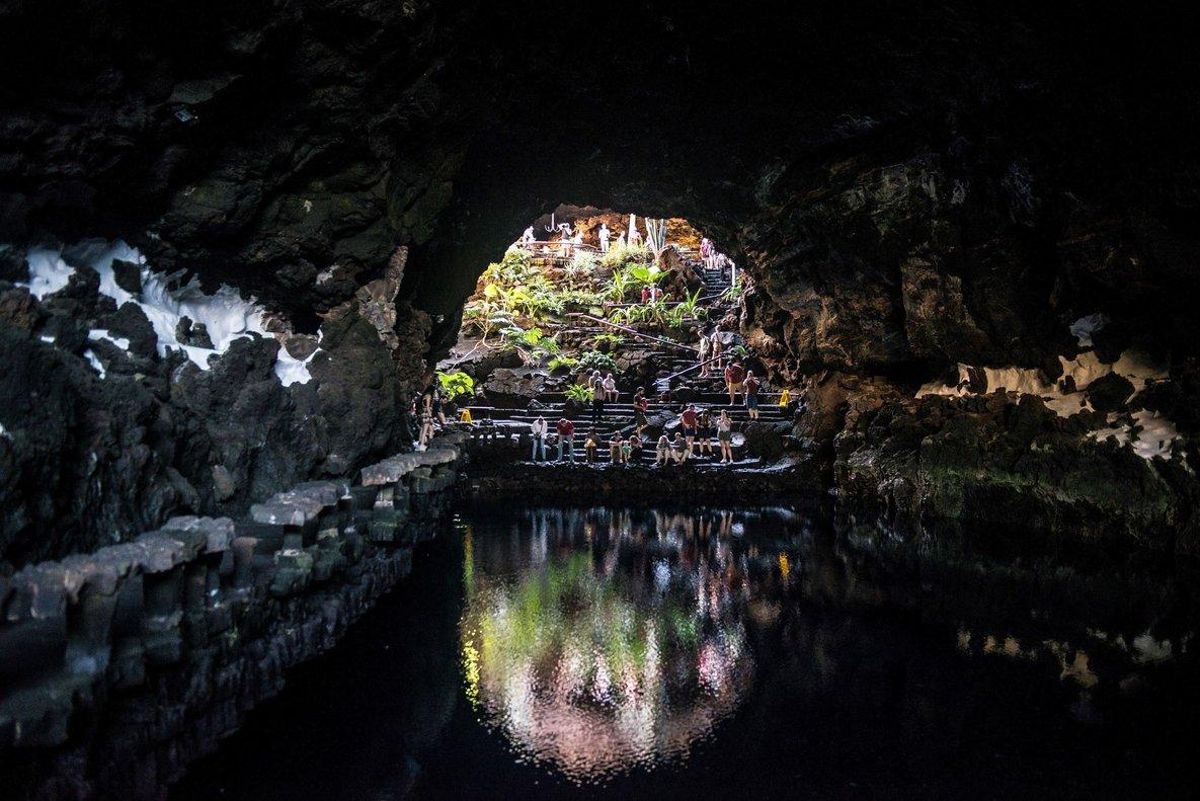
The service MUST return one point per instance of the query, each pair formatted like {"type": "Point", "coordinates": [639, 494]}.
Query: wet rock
{"type": "Point", "coordinates": [1109, 392]}
{"type": "Point", "coordinates": [515, 386]}
{"type": "Point", "coordinates": [130, 322]}
{"type": "Point", "coordinates": [194, 334]}
{"type": "Point", "coordinates": [128, 276]}
{"type": "Point", "coordinates": [13, 266]}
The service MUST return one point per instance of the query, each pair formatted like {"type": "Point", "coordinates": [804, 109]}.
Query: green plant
{"type": "Point", "coordinates": [642, 275]}
{"type": "Point", "coordinates": [456, 384]}
{"type": "Point", "coordinates": [583, 263]}
{"type": "Point", "coordinates": [735, 288]}
{"type": "Point", "coordinates": [617, 287]}
{"type": "Point", "coordinates": [562, 363]}
{"type": "Point", "coordinates": [580, 394]}
{"type": "Point", "coordinates": [595, 360]}
{"type": "Point", "coordinates": [607, 342]}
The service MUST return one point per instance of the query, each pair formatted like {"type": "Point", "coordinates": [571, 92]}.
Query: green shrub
{"type": "Point", "coordinates": [456, 384]}
{"type": "Point", "coordinates": [595, 360]}
{"type": "Point", "coordinates": [580, 394]}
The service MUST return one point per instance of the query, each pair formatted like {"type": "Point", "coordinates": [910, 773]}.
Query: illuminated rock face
{"type": "Point", "coordinates": [963, 196]}
{"type": "Point", "coordinates": [623, 652]}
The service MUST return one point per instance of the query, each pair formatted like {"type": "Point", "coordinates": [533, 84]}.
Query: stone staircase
{"type": "Point", "coordinates": [677, 384]}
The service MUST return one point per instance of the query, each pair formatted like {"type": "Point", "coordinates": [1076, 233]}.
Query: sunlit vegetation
{"type": "Point", "coordinates": [528, 300]}
{"type": "Point", "coordinates": [455, 385]}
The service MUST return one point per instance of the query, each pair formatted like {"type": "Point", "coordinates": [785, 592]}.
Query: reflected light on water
{"type": "Point", "coordinates": [608, 651]}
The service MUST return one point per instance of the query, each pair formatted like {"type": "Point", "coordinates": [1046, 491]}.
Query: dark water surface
{"type": "Point", "coordinates": [592, 653]}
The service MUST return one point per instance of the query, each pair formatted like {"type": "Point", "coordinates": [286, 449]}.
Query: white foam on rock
{"type": "Point", "coordinates": [225, 314]}
{"type": "Point", "coordinates": [48, 273]}
{"type": "Point", "coordinates": [95, 362]}
{"type": "Point", "coordinates": [292, 370]}
{"type": "Point", "coordinates": [97, 334]}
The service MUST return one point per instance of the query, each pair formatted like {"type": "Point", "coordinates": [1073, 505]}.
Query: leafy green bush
{"type": "Point", "coordinates": [580, 394]}
{"type": "Point", "coordinates": [454, 385]}
{"type": "Point", "coordinates": [595, 360]}
{"type": "Point", "coordinates": [607, 342]}
{"type": "Point", "coordinates": [562, 363]}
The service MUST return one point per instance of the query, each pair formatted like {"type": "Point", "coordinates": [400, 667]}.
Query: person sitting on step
{"type": "Point", "coordinates": [635, 448]}
{"type": "Point", "coordinates": [590, 446]}
{"type": "Point", "coordinates": [662, 451]}
{"type": "Point", "coordinates": [614, 448]}
{"type": "Point", "coordinates": [679, 448]}
{"type": "Point", "coordinates": [610, 388]}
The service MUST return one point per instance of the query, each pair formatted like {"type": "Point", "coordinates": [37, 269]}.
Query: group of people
{"type": "Point", "coordinates": [604, 389]}
{"type": "Point", "coordinates": [738, 379]}
{"type": "Point", "coordinates": [693, 439]}
{"type": "Point", "coordinates": [570, 237]}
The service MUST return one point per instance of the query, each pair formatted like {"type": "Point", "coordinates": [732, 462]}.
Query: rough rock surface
{"type": "Point", "coordinates": [941, 185]}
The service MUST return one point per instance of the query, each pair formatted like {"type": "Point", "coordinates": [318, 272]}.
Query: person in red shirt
{"type": "Point", "coordinates": [566, 439]}
{"type": "Point", "coordinates": [735, 374]}
{"type": "Point", "coordinates": [645, 295]}
{"type": "Point", "coordinates": [688, 420]}
{"type": "Point", "coordinates": [750, 388]}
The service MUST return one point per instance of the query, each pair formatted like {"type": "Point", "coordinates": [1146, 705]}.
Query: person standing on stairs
{"type": "Point", "coordinates": [539, 440]}
{"type": "Point", "coordinates": [704, 432]}
{"type": "Point", "coordinates": [426, 422]}
{"type": "Point", "coordinates": [750, 389]}
{"type": "Point", "coordinates": [715, 349]}
{"type": "Point", "coordinates": [725, 437]}
{"type": "Point", "coordinates": [640, 407]}
{"type": "Point", "coordinates": [596, 385]}
{"type": "Point", "coordinates": [566, 439]}
{"type": "Point", "coordinates": [688, 421]}
{"type": "Point", "coordinates": [627, 450]}
{"type": "Point", "coordinates": [705, 348]}
{"type": "Point", "coordinates": [735, 374]}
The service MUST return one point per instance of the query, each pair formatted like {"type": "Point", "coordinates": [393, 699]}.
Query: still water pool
{"type": "Point", "coordinates": [602, 653]}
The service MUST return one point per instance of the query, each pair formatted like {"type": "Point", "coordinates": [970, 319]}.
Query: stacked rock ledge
{"type": "Point", "coordinates": [120, 667]}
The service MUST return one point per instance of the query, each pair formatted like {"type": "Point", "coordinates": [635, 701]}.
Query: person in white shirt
{"type": "Point", "coordinates": [604, 235]}
{"type": "Point", "coordinates": [539, 440]}
{"type": "Point", "coordinates": [610, 388]}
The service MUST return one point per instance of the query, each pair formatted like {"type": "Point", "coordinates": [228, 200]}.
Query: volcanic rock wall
{"type": "Point", "coordinates": [123, 665]}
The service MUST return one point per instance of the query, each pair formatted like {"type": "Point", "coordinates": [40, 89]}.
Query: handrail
{"type": "Point", "coordinates": [633, 331]}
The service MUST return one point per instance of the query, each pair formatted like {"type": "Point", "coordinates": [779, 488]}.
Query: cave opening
{"type": "Point", "coordinates": [949, 551]}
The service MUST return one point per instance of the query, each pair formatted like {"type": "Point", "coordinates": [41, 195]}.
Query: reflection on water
{"type": "Point", "coordinates": [601, 641]}
{"type": "Point", "coordinates": [566, 654]}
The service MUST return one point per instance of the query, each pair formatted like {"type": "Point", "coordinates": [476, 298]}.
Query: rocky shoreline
{"type": "Point", "coordinates": [125, 665]}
